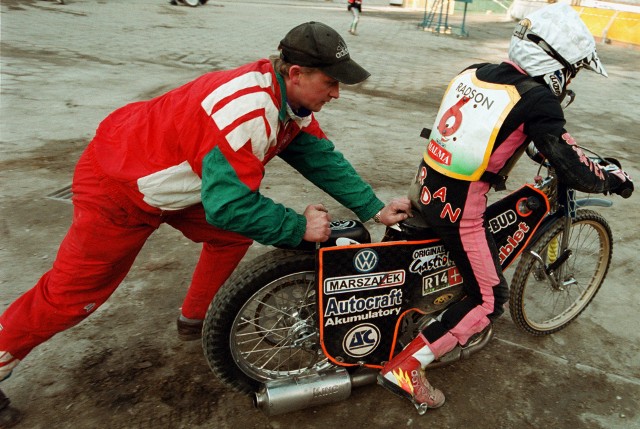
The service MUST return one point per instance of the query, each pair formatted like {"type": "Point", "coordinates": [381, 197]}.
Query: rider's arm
{"type": "Point", "coordinates": [545, 126]}
{"type": "Point", "coordinates": [315, 157]}
{"type": "Point", "coordinates": [573, 167]}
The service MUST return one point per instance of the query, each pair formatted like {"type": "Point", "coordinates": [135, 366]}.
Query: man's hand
{"type": "Point", "coordinates": [397, 210]}
{"type": "Point", "coordinates": [318, 220]}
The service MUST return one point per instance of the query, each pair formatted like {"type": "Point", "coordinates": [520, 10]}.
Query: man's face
{"type": "Point", "coordinates": [311, 89]}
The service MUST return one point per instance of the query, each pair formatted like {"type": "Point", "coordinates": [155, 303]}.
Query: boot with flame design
{"type": "Point", "coordinates": [404, 376]}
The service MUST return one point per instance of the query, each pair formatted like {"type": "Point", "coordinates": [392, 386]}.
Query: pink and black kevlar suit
{"type": "Point", "coordinates": [192, 158]}
{"type": "Point", "coordinates": [498, 108]}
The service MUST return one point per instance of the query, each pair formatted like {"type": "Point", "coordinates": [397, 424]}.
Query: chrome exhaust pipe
{"type": "Point", "coordinates": [464, 352]}
{"type": "Point", "coordinates": [300, 392]}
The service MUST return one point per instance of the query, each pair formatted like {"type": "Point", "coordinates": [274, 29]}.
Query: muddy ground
{"type": "Point", "coordinates": [64, 68]}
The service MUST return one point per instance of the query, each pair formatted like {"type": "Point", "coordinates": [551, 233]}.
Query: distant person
{"type": "Point", "coordinates": [355, 7]}
{"type": "Point", "coordinates": [194, 159]}
{"type": "Point", "coordinates": [471, 148]}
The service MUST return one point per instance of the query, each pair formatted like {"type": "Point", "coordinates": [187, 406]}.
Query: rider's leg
{"type": "Point", "coordinates": [483, 283]}
{"type": "Point", "coordinates": [456, 326]}
{"type": "Point", "coordinates": [455, 210]}
{"type": "Point", "coordinates": [405, 375]}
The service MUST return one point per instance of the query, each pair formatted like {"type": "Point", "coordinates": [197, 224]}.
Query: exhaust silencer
{"type": "Point", "coordinates": [464, 352]}
{"type": "Point", "coordinates": [300, 392]}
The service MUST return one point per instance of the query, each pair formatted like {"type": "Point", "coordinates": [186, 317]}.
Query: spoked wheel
{"type": "Point", "coordinates": [543, 303]}
{"type": "Point", "coordinates": [262, 324]}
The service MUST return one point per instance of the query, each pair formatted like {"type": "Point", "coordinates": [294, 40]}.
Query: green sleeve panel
{"type": "Point", "coordinates": [317, 160]}
{"type": "Point", "coordinates": [231, 205]}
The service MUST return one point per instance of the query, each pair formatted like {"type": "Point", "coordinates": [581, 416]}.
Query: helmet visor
{"type": "Point", "coordinates": [593, 63]}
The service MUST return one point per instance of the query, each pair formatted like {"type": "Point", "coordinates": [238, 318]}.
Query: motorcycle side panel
{"type": "Point", "coordinates": [512, 225]}
{"type": "Point", "coordinates": [364, 289]}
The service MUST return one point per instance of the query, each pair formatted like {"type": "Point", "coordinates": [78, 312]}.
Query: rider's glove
{"type": "Point", "coordinates": [625, 188]}
{"type": "Point", "coordinates": [613, 161]}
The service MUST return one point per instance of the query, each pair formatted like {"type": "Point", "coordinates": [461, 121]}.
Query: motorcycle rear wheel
{"type": "Point", "coordinates": [261, 325]}
{"type": "Point", "coordinates": [535, 305]}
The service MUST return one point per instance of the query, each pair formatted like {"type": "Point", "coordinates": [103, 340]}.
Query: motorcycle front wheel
{"type": "Point", "coordinates": [261, 325]}
{"type": "Point", "coordinates": [540, 307]}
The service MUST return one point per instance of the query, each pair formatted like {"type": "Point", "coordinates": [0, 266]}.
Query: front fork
{"type": "Point", "coordinates": [551, 265]}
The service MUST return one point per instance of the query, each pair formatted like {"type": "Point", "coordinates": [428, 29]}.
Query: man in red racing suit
{"type": "Point", "coordinates": [489, 113]}
{"type": "Point", "coordinates": [194, 159]}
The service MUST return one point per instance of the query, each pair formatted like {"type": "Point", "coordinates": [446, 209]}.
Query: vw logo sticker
{"type": "Point", "coordinates": [361, 340]}
{"type": "Point", "coordinates": [365, 260]}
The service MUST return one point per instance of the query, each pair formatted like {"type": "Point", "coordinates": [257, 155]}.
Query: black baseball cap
{"type": "Point", "coordinates": [314, 44]}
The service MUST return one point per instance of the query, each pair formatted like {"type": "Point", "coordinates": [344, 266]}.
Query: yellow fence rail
{"type": "Point", "coordinates": [608, 25]}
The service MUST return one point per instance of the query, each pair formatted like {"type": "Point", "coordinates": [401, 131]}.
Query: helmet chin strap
{"type": "Point", "coordinates": [557, 82]}
{"type": "Point", "coordinates": [552, 53]}
{"type": "Point", "coordinates": [567, 98]}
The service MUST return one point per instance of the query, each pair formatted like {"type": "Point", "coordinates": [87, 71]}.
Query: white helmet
{"type": "Point", "coordinates": [553, 42]}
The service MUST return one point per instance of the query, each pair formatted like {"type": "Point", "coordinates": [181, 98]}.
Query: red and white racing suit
{"type": "Point", "coordinates": [453, 203]}
{"type": "Point", "coordinates": [194, 159]}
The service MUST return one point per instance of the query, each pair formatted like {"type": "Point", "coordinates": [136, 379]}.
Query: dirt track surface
{"type": "Point", "coordinates": [64, 68]}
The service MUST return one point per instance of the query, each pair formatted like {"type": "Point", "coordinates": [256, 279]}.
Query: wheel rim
{"type": "Point", "coordinates": [547, 308]}
{"type": "Point", "coordinates": [275, 334]}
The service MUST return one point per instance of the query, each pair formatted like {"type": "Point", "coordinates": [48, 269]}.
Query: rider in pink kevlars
{"type": "Point", "coordinates": [489, 114]}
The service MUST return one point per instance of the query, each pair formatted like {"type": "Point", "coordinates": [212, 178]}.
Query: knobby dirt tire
{"type": "Point", "coordinates": [539, 309]}
{"type": "Point", "coordinates": [261, 325]}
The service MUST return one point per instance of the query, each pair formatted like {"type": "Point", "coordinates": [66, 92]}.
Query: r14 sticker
{"type": "Point", "coordinates": [441, 280]}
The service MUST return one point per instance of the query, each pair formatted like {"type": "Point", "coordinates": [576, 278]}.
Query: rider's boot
{"type": "Point", "coordinates": [404, 375]}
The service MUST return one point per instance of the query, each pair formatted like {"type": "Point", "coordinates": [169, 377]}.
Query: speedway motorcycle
{"type": "Point", "coordinates": [302, 327]}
